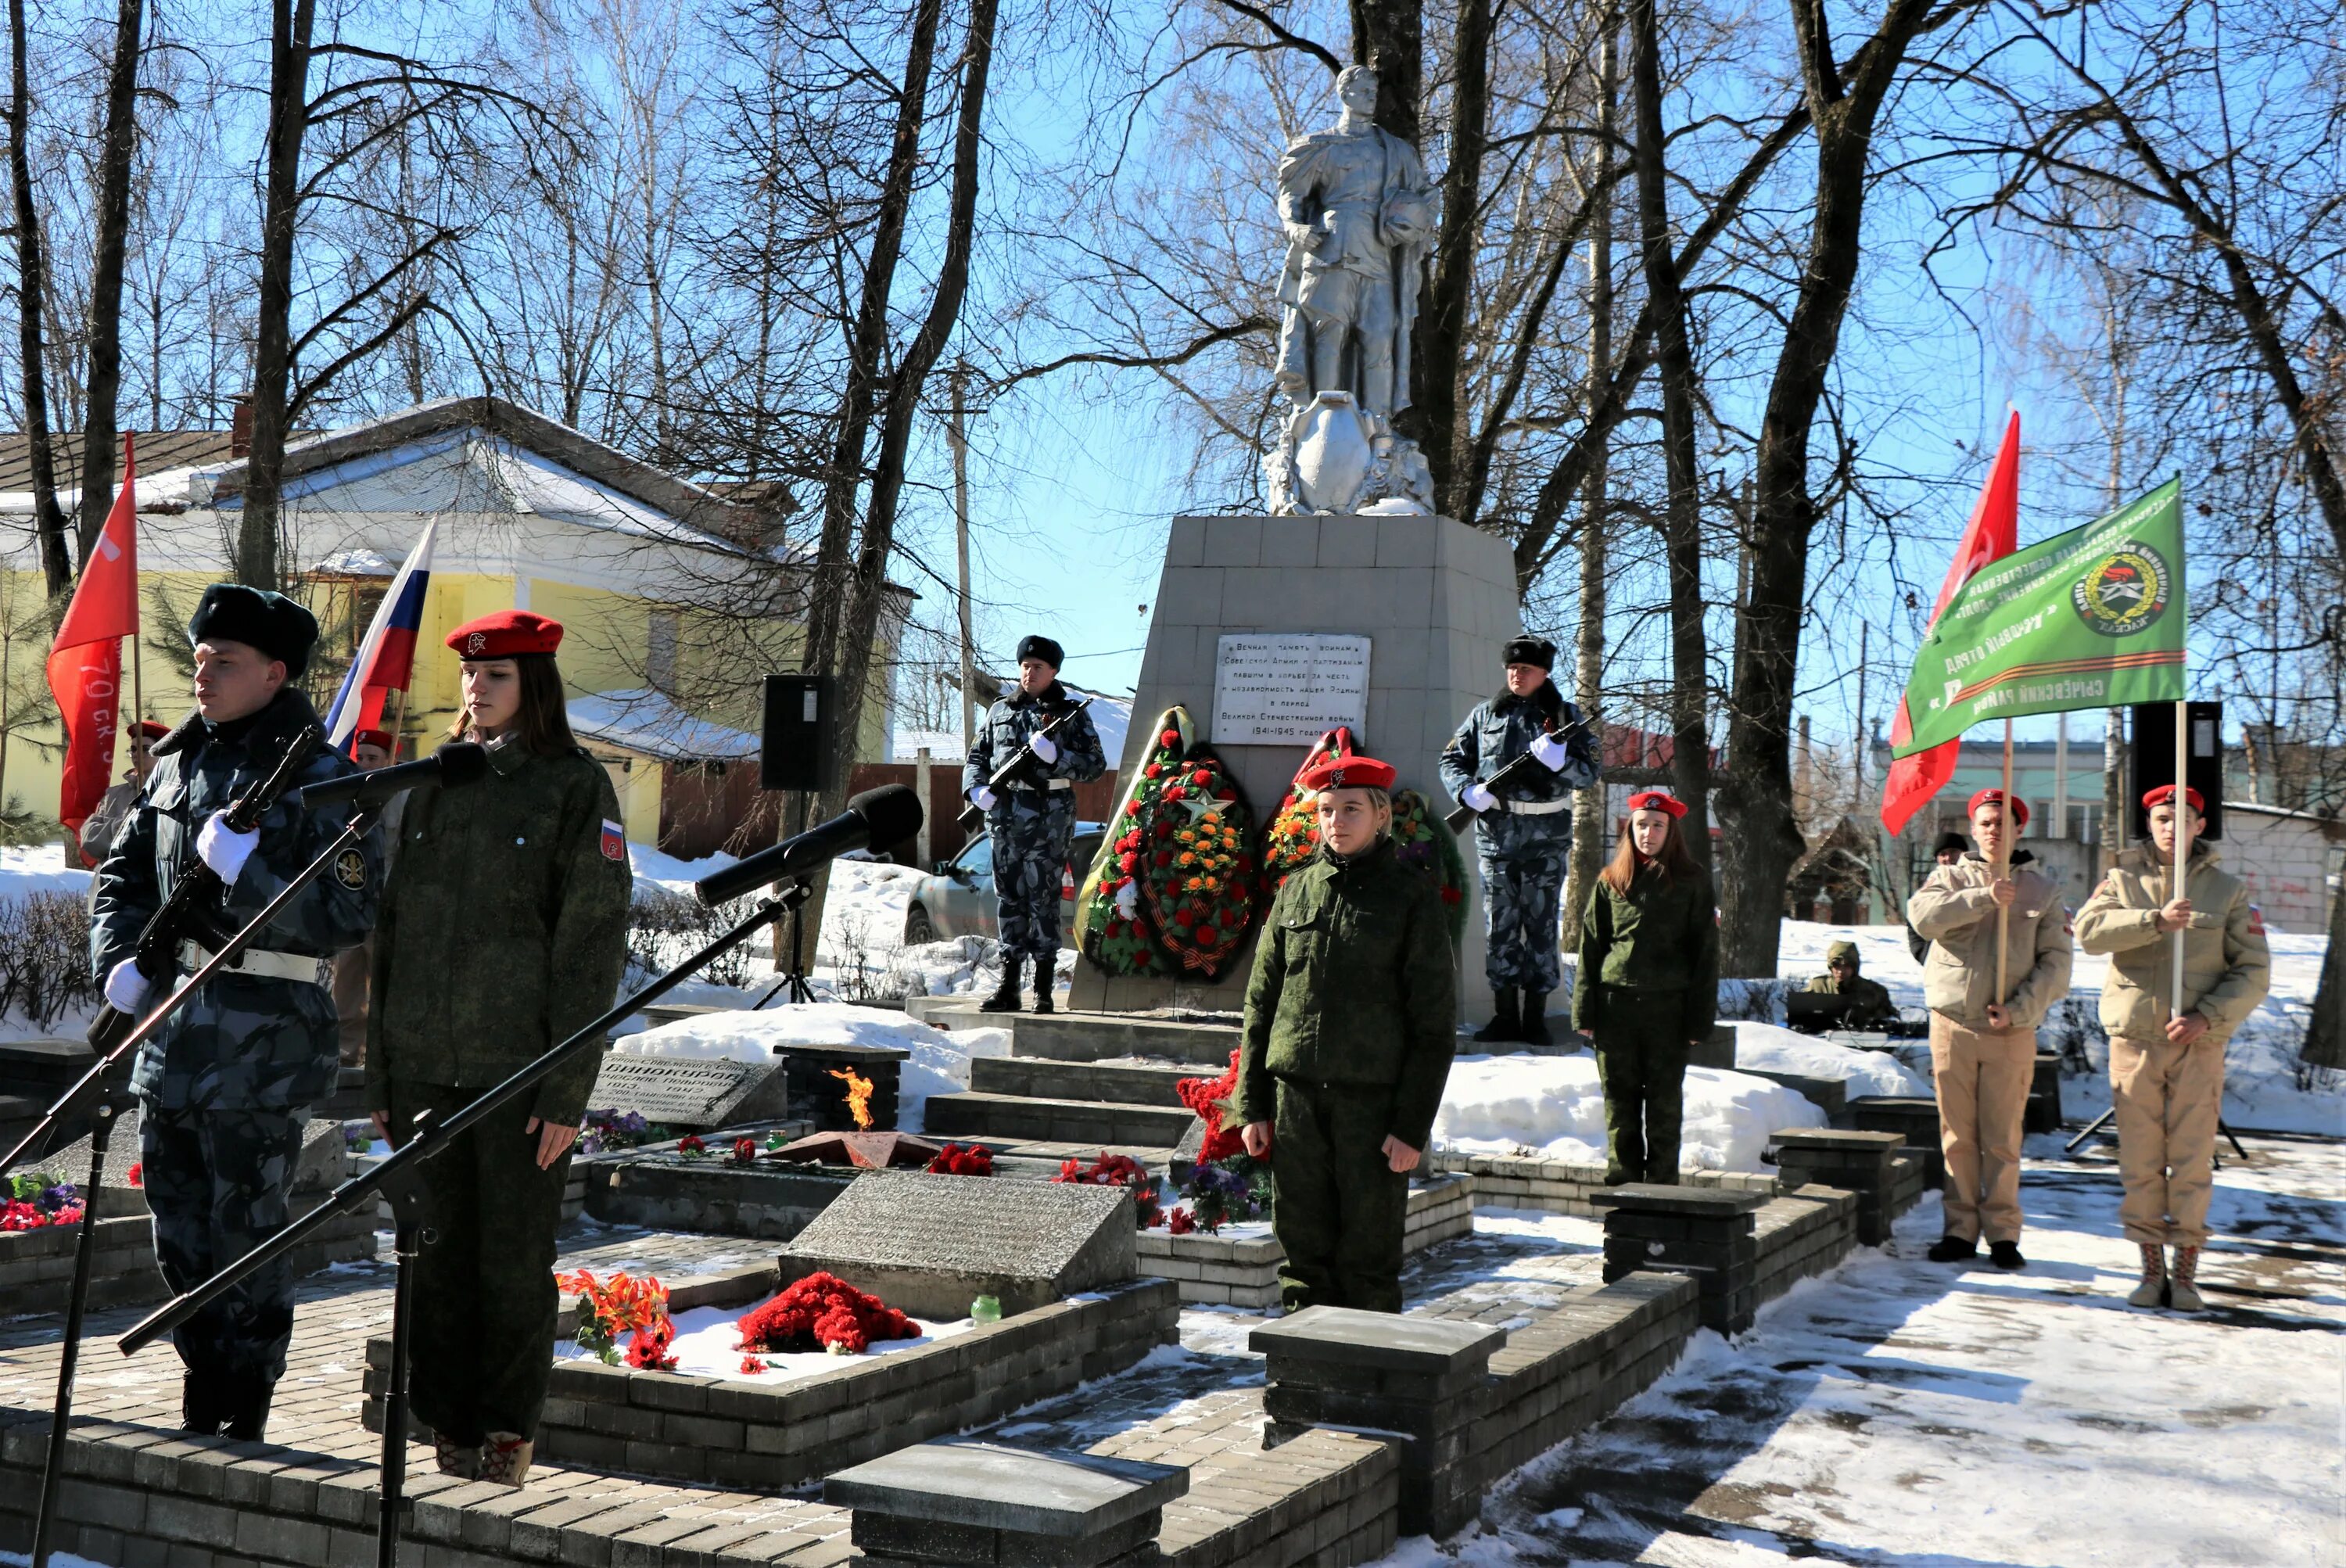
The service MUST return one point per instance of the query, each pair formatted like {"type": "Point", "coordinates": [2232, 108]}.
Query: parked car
{"type": "Point", "coordinates": [957, 898]}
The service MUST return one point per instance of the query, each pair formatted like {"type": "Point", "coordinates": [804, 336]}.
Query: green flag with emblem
{"type": "Point", "coordinates": [2090, 618]}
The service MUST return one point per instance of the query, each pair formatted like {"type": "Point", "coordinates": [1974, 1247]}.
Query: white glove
{"type": "Point", "coordinates": [982, 798]}
{"type": "Point", "coordinates": [1045, 750]}
{"type": "Point", "coordinates": [126, 987]}
{"type": "Point", "coordinates": [1478, 799]}
{"type": "Point", "coordinates": [224, 849]}
{"type": "Point", "coordinates": [1553, 754]}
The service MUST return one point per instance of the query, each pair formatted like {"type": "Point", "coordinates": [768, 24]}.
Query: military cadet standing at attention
{"type": "Point", "coordinates": [2167, 1053]}
{"type": "Point", "coordinates": [1346, 1045]}
{"type": "Point", "coordinates": [1523, 831]}
{"type": "Point", "coordinates": [1983, 1045]}
{"type": "Point", "coordinates": [226, 1085]}
{"type": "Point", "coordinates": [1646, 989]}
{"type": "Point", "coordinates": [505, 931]}
{"type": "Point", "coordinates": [1870, 1006]}
{"type": "Point", "coordinates": [1032, 816]}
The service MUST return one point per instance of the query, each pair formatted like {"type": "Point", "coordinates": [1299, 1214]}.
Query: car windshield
{"type": "Point", "coordinates": [978, 858]}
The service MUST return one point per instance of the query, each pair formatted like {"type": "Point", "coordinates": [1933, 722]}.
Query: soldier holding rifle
{"type": "Point", "coordinates": [1031, 811]}
{"type": "Point", "coordinates": [1514, 765]}
{"type": "Point", "coordinates": [225, 1087]}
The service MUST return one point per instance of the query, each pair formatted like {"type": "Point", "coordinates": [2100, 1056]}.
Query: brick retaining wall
{"type": "Point", "coordinates": [1244, 1272]}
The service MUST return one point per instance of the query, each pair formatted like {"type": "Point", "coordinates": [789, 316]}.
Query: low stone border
{"type": "Point", "coordinates": [36, 1266]}
{"type": "Point", "coordinates": [733, 1432]}
{"type": "Point", "coordinates": [1214, 1271]}
{"type": "Point", "coordinates": [1560, 1187]}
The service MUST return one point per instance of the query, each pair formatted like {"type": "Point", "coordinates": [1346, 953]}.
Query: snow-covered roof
{"type": "Point", "coordinates": [649, 725]}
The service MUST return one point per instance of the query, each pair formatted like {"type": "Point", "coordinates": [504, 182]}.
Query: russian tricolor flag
{"type": "Point", "coordinates": [386, 657]}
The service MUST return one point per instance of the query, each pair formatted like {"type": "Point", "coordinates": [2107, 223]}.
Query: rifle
{"type": "Point", "coordinates": [1458, 819]}
{"type": "Point", "coordinates": [187, 914]}
{"type": "Point", "coordinates": [1018, 759]}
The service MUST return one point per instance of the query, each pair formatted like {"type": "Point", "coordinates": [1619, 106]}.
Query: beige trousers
{"type": "Point", "coordinates": [2167, 1098]}
{"type": "Point", "coordinates": [1982, 1082]}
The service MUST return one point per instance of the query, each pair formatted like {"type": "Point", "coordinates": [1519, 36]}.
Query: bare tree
{"type": "Point", "coordinates": [32, 295]}
{"type": "Point", "coordinates": [112, 250]}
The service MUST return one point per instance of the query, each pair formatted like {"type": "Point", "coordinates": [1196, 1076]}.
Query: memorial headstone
{"type": "Point", "coordinates": [931, 1244]}
{"type": "Point", "coordinates": [689, 1094]}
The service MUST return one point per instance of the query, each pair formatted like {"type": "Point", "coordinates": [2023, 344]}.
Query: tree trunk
{"type": "Point", "coordinates": [1389, 36]}
{"type": "Point", "coordinates": [98, 428]}
{"type": "Point", "coordinates": [1682, 515]}
{"type": "Point", "coordinates": [1437, 352]}
{"type": "Point", "coordinates": [2325, 1032]}
{"type": "Point", "coordinates": [272, 360]}
{"type": "Point", "coordinates": [32, 288]}
{"type": "Point", "coordinates": [1591, 824]}
{"type": "Point", "coordinates": [1755, 797]}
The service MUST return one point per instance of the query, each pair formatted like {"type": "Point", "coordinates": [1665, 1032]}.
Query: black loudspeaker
{"type": "Point", "coordinates": [798, 753]}
{"type": "Point", "coordinates": [2150, 761]}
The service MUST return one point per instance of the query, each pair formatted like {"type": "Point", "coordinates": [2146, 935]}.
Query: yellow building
{"type": "Point", "coordinates": [675, 600]}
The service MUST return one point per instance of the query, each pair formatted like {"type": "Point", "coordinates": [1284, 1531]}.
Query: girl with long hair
{"type": "Point", "coordinates": [1647, 988]}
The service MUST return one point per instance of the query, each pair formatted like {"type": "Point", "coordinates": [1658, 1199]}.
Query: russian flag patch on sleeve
{"type": "Point", "coordinates": [614, 840]}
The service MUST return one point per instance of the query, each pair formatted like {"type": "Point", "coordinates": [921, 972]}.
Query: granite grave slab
{"type": "Point", "coordinates": [692, 1094]}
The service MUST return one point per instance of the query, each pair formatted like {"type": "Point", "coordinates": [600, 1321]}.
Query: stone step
{"type": "Point", "coordinates": [29, 1066]}
{"type": "Point", "coordinates": [1089, 1036]}
{"type": "Point", "coordinates": [1112, 1083]}
{"type": "Point", "coordinates": [1081, 1122]}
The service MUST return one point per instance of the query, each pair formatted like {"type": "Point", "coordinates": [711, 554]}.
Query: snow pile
{"type": "Point", "coordinates": [1553, 1107]}
{"type": "Point", "coordinates": [1766, 1048]}
{"type": "Point", "coordinates": [40, 869]}
{"type": "Point", "coordinates": [667, 872]}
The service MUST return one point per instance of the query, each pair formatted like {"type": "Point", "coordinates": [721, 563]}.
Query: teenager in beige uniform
{"type": "Point", "coordinates": [1983, 1047]}
{"type": "Point", "coordinates": [2167, 1063]}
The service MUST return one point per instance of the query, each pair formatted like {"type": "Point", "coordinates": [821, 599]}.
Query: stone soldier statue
{"type": "Point", "coordinates": [1358, 214]}
{"type": "Point", "coordinates": [1523, 834]}
{"type": "Point", "coordinates": [1033, 817]}
{"type": "Point", "coordinates": [225, 1087]}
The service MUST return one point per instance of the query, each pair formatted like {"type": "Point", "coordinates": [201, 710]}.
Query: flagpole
{"type": "Point", "coordinates": [2177, 880]}
{"type": "Point", "coordinates": [398, 721]}
{"type": "Point", "coordinates": [2004, 862]}
{"type": "Point", "coordinates": [137, 682]}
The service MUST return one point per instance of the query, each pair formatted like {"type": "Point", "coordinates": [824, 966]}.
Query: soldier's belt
{"type": "Point", "coordinates": [1533, 808]}
{"type": "Point", "coordinates": [262, 964]}
{"type": "Point", "coordinates": [1039, 789]}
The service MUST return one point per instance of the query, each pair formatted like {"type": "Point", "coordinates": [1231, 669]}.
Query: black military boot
{"type": "Point", "coordinates": [1005, 995]}
{"type": "Point", "coordinates": [203, 1404]}
{"type": "Point", "coordinates": [247, 1407]}
{"type": "Point", "coordinates": [1535, 1024]}
{"type": "Point", "coordinates": [1046, 975]}
{"type": "Point", "coordinates": [1506, 1018]}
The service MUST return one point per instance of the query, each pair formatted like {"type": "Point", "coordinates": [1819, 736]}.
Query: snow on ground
{"type": "Point", "coordinates": [708, 1338]}
{"type": "Point", "coordinates": [40, 869]}
{"type": "Point", "coordinates": [1553, 1106]}
{"type": "Point", "coordinates": [1902, 1412]}
{"type": "Point", "coordinates": [1767, 1048]}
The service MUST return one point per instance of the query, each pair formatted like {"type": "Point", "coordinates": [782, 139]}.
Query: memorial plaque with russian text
{"type": "Point", "coordinates": [1288, 690]}
{"type": "Point", "coordinates": [685, 1093]}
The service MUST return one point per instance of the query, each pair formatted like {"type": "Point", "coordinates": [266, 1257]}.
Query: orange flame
{"type": "Point", "coordinates": [859, 1096]}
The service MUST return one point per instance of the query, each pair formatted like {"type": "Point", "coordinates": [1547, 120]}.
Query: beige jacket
{"type": "Point", "coordinates": [1955, 913]}
{"type": "Point", "coordinates": [2227, 966]}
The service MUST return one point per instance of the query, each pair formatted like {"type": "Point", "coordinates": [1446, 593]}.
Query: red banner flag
{"type": "Point", "coordinates": [86, 660]}
{"type": "Point", "coordinates": [1993, 532]}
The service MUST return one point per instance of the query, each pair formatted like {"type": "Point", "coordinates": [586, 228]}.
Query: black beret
{"type": "Point", "coordinates": [276, 625]}
{"type": "Point", "coordinates": [1955, 841]}
{"type": "Point", "coordinates": [1043, 649]}
{"type": "Point", "coordinates": [1532, 650]}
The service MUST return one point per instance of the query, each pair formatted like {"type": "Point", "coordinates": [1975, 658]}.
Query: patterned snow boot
{"type": "Point", "coordinates": [2152, 1291]}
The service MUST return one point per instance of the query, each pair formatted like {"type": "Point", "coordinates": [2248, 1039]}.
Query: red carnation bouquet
{"type": "Point", "coordinates": [1117, 1170]}
{"type": "Point", "coordinates": [822, 1313]}
{"type": "Point", "coordinates": [1210, 1098]}
{"type": "Point", "coordinates": [976, 1160]}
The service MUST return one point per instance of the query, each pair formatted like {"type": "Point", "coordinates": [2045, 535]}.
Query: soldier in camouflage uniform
{"type": "Point", "coordinates": [1031, 817]}
{"type": "Point", "coordinates": [1523, 831]}
{"type": "Point", "coordinates": [224, 1086]}
{"type": "Point", "coordinates": [1870, 1006]}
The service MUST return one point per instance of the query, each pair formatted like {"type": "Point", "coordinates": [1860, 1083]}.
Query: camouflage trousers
{"type": "Point", "coordinates": [1641, 1063]}
{"type": "Point", "coordinates": [1338, 1207]}
{"type": "Point", "coordinates": [216, 1182]}
{"type": "Point", "coordinates": [1523, 906]}
{"type": "Point", "coordinates": [1031, 830]}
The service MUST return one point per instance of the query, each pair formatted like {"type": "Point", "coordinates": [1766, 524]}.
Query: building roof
{"type": "Point", "coordinates": [649, 724]}
{"type": "Point", "coordinates": [157, 450]}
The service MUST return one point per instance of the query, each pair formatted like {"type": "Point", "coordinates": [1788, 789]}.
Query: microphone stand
{"type": "Point", "coordinates": [793, 899]}
{"type": "Point", "coordinates": [105, 1098]}
{"type": "Point", "coordinates": [399, 1183]}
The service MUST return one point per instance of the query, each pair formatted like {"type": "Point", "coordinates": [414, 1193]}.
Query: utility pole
{"type": "Point", "coordinates": [957, 437]}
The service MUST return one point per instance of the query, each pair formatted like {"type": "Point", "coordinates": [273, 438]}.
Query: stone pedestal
{"type": "Point", "coordinates": [821, 1099]}
{"type": "Point", "coordinates": [1706, 1233]}
{"type": "Point", "coordinates": [962, 1504]}
{"type": "Point", "coordinates": [1437, 601]}
{"type": "Point", "coordinates": [1861, 1163]}
{"type": "Point", "coordinates": [1914, 1118]}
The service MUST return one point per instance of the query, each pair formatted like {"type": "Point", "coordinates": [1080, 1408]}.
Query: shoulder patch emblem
{"type": "Point", "coordinates": [2256, 920]}
{"type": "Point", "coordinates": [350, 870]}
{"type": "Point", "coordinates": [614, 840]}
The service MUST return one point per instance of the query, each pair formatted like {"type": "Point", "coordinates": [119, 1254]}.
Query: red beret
{"type": "Point", "coordinates": [1995, 798]}
{"type": "Point", "coordinates": [1347, 773]}
{"type": "Point", "coordinates": [506, 634]}
{"type": "Point", "coordinates": [1657, 800]}
{"type": "Point", "coordinates": [152, 730]}
{"type": "Point", "coordinates": [2166, 793]}
{"type": "Point", "coordinates": [377, 738]}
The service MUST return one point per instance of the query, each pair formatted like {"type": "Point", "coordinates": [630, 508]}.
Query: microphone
{"type": "Point", "coordinates": [454, 765]}
{"type": "Point", "coordinates": [888, 815]}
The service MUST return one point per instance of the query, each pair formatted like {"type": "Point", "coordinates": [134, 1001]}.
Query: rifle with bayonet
{"type": "Point", "coordinates": [1459, 819]}
{"type": "Point", "coordinates": [188, 915]}
{"type": "Point", "coordinates": [1018, 759]}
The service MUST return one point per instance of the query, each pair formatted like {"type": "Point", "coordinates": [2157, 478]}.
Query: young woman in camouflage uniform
{"type": "Point", "coordinates": [1349, 1034]}
{"type": "Point", "coordinates": [504, 932]}
{"type": "Point", "coordinates": [1646, 986]}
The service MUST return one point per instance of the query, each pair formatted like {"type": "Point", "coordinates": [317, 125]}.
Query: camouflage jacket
{"type": "Point", "coordinates": [1493, 735]}
{"type": "Point", "coordinates": [1659, 937]}
{"type": "Point", "coordinates": [243, 1042]}
{"type": "Point", "coordinates": [1869, 1000]}
{"type": "Point", "coordinates": [505, 930]}
{"type": "Point", "coordinates": [1011, 722]}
